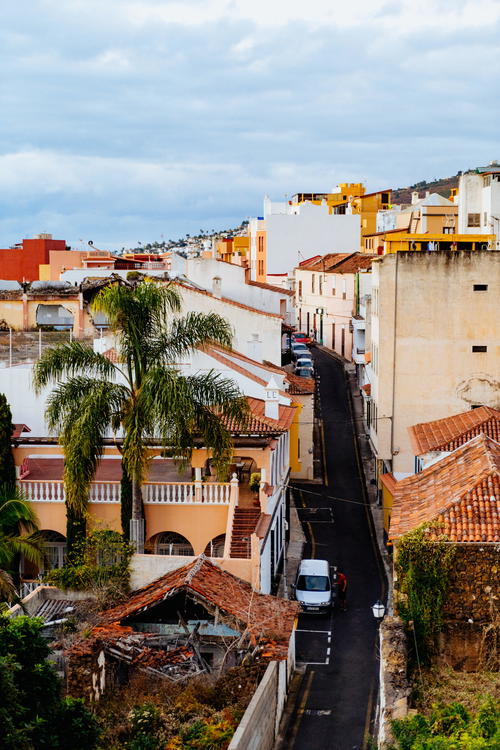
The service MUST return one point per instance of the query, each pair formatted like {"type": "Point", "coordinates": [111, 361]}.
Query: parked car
{"type": "Point", "coordinates": [313, 588]}
{"type": "Point", "coordinates": [304, 360]}
{"type": "Point", "coordinates": [304, 372]}
{"type": "Point", "coordinates": [299, 349]}
{"type": "Point", "coordinates": [300, 337]}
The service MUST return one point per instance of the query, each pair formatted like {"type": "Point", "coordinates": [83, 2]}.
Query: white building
{"type": "Point", "coordinates": [479, 202]}
{"type": "Point", "coordinates": [296, 231]}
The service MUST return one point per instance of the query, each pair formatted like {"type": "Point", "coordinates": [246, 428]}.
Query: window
{"type": "Point", "coordinates": [334, 283]}
{"type": "Point", "coordinates": [473, 220]}
{"type": "Point", "coordinates": [447, 230]}
{"type": "Point", "coordinates": [485, 218]}
{"type": "Point", "coordinates": [313, 283]}
{"type": "Point", "coordinates": [487, 181]}
{"type": "Point", "coordinates": [385, 197]}
{"type": "Point", "coordinates": [481, 348]}
{"type": "Point", "coordinates": [344, 288]}
{"type": "Point", "coordinates": [300, 289]}
{"type": "Point", "coordinates": [480, 287]}
{"type": "Point", "coordinates": [320, 284]}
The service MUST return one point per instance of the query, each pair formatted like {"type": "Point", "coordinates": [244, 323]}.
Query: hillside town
{"type": "Point", "coordinates": [250, 480]}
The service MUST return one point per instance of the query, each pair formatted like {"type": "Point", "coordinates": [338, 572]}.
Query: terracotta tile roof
{"type": "Point", "coordinates": [272, 288]}
{"type": "Point", "coordinates": [297, 384]}
{"type": "Point", "coordinates": [269, 620]}
{"type": "Point", "coordinates": [458, 495]}
{"type": "Point", "coordinates": [112, 355]}
{"type": "Point", "coordinates": [389, 481]}
{"type": "Point", "coordinates": [259, 423]}
{"type": "Point", "coordinates": [355, 263]}
{"type": "Point", "coordinates": [368, 357]}
{"type": "Point", "coordinates": [18, 429]}
{"type": "Point", "coordinates": [451, 432]}
{"type": "Point", "coordinates": [323, 263]}
{"type": "Point", "coordinates": [300, 386]}
{"type": "Point", "coordinates": [227, 301]}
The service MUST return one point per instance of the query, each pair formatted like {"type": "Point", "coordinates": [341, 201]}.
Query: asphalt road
{"type": "Point", "coordinates": [335, 707]}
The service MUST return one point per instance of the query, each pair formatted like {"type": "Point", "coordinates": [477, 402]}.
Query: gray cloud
{"type": "Point", "coordinates": [119, 125]}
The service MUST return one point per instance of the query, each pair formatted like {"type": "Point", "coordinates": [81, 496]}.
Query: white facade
{"type": "Point", "coordinates": [479, 204]}
{"type": "Point", "coordinates": [230, 281]}
{"type": "Point", "coordinates": [256, 334]}
{"type": "Point", "coordinates": [298, 231]}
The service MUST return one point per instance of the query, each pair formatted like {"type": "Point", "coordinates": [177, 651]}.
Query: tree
{"type": "Point", "coordinates": [32, 714]}
{"type": "Point", "coordinates": [7, 465]}
{"type": "Point", "coordinates": [144, 394]}
{"type": "Point", "coordinates": [18, 536]}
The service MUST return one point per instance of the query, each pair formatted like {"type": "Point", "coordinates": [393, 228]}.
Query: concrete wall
{"type": "Point", "coordinates": [425, 320]}
{"type": "Point", "coordinates": [259, 726]}
{"type": "Point", "coordinates": [147, 568]}
{"type": "Point", "coordinates": [292, 237]}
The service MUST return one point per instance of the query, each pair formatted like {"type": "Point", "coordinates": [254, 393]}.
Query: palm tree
{"type": "Point", "coordinates": [144, 394]}
{"type": "Point", "coordinates": [18, 536]}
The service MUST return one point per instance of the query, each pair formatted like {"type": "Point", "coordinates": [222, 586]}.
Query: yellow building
{"type": "Point", "coordinates": [352, 198]}
{"type": "Point", "coordinates": [233, 249]}
{"type": "Point", "coordinates": [396, 240]}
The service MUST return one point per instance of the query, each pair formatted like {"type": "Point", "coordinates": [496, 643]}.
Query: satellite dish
{"type": "Point", "coordinates": [90, 243]}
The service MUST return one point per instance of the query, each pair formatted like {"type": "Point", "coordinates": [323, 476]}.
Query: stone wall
{"type": "Point", "coordinates": [474, 592]}
{"type": "Point", "coordinates": [394, 687]}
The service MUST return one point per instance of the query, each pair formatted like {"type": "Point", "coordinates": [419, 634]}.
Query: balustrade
{"type": "Point", "coordinates": [171, 493]}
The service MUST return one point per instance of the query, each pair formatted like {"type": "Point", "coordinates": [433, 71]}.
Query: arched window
{"type": "Point", "coordinates": [169, 543]}
{"type": "Point", "coordinates": [55, 549]}
{"type": "Point", "coordinates": [215, 548]}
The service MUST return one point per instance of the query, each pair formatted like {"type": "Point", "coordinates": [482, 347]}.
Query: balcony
{"type": "Point", "coordinates": [154, 493]}
{"type": "Point", "coordinates": [358, 323]}
{"type": "Point", "coordinates": [358, 355]}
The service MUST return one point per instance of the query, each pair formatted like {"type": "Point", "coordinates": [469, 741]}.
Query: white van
{"type": "Point", "coordinates": [313, 589]}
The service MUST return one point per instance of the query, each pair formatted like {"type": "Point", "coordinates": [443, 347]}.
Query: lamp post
{"type": "Point", "coordinates": [378, 610]}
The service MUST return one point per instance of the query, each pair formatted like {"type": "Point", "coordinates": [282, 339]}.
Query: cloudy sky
{"type": "Point", "coordinates": [127, 120]}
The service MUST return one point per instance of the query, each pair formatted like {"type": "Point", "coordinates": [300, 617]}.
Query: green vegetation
{"type": "Point", "coordinates": [450, 727]}
{"type": "Point", "coordinates": [423, 571]}
{"type": "Point", "coordinates": [149, 714]}
{"type": "Point", "coordinates": [100, 564]}
{"type": "Point", "coordinates": [33, 716]}
{"type": "Point", "coordinates": [144, 394]}
{"type": "Point", "coordinates": [18, 536]}
{"type": "Point", "coordinates": [7, 465]}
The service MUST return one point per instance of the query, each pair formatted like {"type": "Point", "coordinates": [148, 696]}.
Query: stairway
{"type": "Point", "coordinates": [244, 522]}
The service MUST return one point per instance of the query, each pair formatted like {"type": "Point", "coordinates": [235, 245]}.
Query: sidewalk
{"type": "Point", "coordinates": [293, 554]}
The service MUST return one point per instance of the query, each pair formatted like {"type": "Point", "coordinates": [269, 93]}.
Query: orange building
{"type": "Point", "coordinates": [22, 261]}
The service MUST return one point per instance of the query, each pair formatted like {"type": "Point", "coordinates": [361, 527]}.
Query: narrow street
{"type": "Point", "coordinates": [335, 706]}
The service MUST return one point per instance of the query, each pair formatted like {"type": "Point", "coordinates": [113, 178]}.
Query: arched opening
{"type": "Point", "coordinates": [170, 543]}
{"type": "Point", "coordinates": [215, 548]}
{"type": "Point", "coordinates": [55, 549]}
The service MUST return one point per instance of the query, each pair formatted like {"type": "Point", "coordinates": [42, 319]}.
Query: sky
{"type": "Point", "coordinates": [136, 120]}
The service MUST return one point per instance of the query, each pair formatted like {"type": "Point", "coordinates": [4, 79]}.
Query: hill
{"type": "Point", "coordinates": [442, 186]}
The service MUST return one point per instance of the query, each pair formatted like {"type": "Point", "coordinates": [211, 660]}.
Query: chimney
{"type": "Point", "coordinates": [272, 406]}
{"type": "Point", "coordinates": [414, 197]}
{"type": "Point", "coordinates": [216, 286]}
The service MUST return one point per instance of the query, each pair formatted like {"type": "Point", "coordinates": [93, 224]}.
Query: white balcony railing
{"type": "Point", "coordinates": [171, 493]}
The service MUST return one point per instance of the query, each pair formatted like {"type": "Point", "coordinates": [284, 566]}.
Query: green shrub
{"type": "Point", "coordinates": [101, 560]}
{"type": "Point", "coordinates": [450, 727]}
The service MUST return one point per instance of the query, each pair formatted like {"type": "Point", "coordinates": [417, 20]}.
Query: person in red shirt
{"type": "Point", "coordinates": [342, 590]}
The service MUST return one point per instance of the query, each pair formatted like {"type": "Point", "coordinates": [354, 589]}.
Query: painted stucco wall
{"type": "Point", "coordinates": [425, 319]}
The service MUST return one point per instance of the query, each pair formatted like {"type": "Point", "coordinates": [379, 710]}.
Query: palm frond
{"type": "Point", "coordinates": [82, 435]}
{"type": "Point", "coordinates": [67, 360]}
{"type": "Point", "coordinates": [31, 546]}
{"type": "Point", "coordinates": [191, 331]}
{"type": "Point", "coordinates": [64, 402]}
{"type": "Point", "coordinates": [7, 588]}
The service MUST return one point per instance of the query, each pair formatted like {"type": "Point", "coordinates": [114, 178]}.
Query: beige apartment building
{"type": "Point", "coordinates": [435, 344]}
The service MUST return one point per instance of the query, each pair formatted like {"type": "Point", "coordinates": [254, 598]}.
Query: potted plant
{"type": "Point", "coordinates": [254, 485]}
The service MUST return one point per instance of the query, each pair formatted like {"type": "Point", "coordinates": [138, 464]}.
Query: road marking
{"type": "Point", "coordinates": [318, 711]}
{"type": "Point", "coordinates": [305, 630]}
{"type": "Point", "coordinates": [301, 708]}
{"type": "Point", "coordinates": [308, 524]}
{"type": "Point", "coordinates": [313, 663]}
{"type": "Point", "coordinates": [328, 651]}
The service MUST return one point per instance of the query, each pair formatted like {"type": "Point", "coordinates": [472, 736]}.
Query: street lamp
{"type": "Point", "coordinates": [378, 610]}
